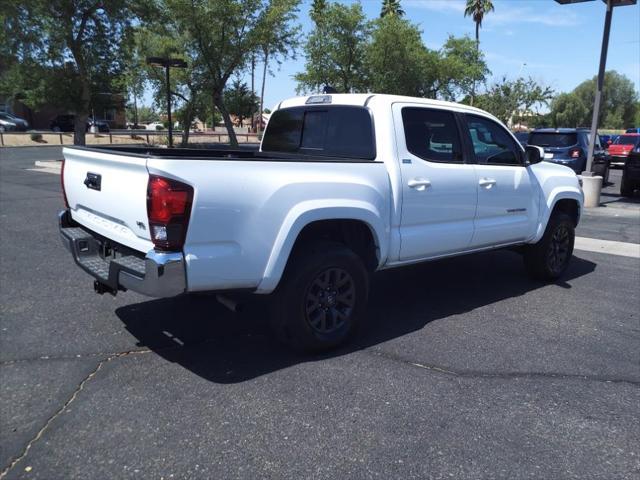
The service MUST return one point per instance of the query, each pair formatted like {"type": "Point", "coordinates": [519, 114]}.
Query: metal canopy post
{"type": "Point", "coordinates": [166, 69]}
{"type": "Point", "coordinates": [599, 88]}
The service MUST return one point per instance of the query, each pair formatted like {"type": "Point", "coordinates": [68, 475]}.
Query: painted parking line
{"type": "Point", "coordinates": [607, 246]}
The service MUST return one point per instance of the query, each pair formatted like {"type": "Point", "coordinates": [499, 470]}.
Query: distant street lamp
{"type": "Point", "coordinates": [167, 63]}
{"type": "Point", "coordinates": [590, 185]}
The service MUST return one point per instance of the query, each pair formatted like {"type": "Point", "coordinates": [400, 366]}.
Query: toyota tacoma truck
{"type": "Point", "coordinates": [342, 185]}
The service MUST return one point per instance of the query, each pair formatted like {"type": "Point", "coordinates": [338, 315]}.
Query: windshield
{"type": "Point", "coordinates": [628, 140]}
{"type": "Point", "coordinates": [552, 139]}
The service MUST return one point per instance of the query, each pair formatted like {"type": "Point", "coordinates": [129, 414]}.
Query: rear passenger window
{"type": "Point", "coordinates": [332, 131]}
{"type": "Point", "coordinates": [432, 134]}
{"type": "Point", "coordinates": [491, 143]}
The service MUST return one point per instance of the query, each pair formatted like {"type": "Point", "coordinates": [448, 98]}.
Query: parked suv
{"type": "Point", "coordinates": [569, 147]}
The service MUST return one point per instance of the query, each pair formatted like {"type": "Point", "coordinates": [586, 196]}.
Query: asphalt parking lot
{"type": "Point", "coordinates": [466, 368]}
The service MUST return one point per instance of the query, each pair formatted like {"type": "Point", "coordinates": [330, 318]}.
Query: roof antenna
{"type": "Point", "coordinates": [329, 89]}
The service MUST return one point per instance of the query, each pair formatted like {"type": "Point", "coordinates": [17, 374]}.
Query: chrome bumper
{"type": "Point", "coordinates": [159, 274]}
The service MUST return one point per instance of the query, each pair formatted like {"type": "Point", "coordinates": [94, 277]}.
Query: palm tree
{"type": "Point", "coordinates": [391, 7]}
{"type": "Point", "coordinates": [477, 9]}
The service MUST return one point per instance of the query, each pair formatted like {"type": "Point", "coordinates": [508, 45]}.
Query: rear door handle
{"type": "Point", "coordinates": [419, 184]}
{"type": "Point", "coordinates": [487, 182]}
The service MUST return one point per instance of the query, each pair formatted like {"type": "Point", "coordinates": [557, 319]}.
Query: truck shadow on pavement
{"type": "Point", "coordinates": [204, 337]}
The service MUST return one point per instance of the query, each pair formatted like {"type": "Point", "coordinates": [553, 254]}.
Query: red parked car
{"type": "Point", "coordinates": [620, 149]}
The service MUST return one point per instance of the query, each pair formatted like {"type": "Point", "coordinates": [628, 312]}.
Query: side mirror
{"type": "Point", "coordinates": [533, 154]}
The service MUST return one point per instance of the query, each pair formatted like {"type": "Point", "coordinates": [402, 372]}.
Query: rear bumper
{"type": "Point", "coordinates": [158, 274]}
{"type": "Point", "coordinates": [618, 161]}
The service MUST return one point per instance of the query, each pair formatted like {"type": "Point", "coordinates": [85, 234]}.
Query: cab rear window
{"type": "Point", "coordinates": [332, 131]}
{"type": "Point", "coordinates": [543, 139]}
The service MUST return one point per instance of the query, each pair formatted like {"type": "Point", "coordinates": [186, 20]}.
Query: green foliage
{"type": "Point", "coordinates": [386, 56]}
{"type": "Point", "coordinates": [240, 101]}
{"type": "Point", "coordinates": [461, 66]}
{"type": "Point", "coordinates": [317, 10]}
{"type": "Point", "coordinates": [222, 35]}
{"type": "Point", "coordinates": [146, 115]}
{"type": "Point", "coordinates": [512, 101]}
{"type": "Point", "coordinates": [335, 50]}
{"type": "Point", "coordinates": [391, 8]}
{"type": "Point", "coordinates": [397, 62]}
{"type": "Point", "coordinates": [66, 53]}
{"type": "Point", "coordinates": [618, 109]}
{"type": "Point", "coordinates": [477, 9]}
{"type": "Point", "coordinates": [568, 110]}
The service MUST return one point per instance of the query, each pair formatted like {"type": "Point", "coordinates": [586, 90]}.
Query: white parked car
{"type": "Point", "coordinates": [155, 126]}
{"type": "Point", "coordinates": [342, 186]}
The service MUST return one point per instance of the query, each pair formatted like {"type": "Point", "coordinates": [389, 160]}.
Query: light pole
{"type": "Point", "coordinates": [591, 185]}
{"type": "Point", "coordinates": [167, 63]}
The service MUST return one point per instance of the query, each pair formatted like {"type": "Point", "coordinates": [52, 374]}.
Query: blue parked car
{"type": "Point", "coordinates": [569, 147]}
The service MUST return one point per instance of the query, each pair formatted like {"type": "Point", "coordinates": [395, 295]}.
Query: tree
{"type": "Point", "coordinates": [240, 101]}
{"type": "Point", "coordinates": [396, 59]}
{"type": "Point", "coordinates": [67, 53]}
{"type": "Point", "coordinates": [278, 39]}
{"type": "Point", "coordinates": [318, 8]}
{"type": "Point", "coordinates": [164, 39]}
{"type": "Point", "coordinates": [335, 51]}
{"type": "Point", "coordinates": [391, 8]}
{"type": "Point", "coordinates": [147, 114]}
{"type": "Point", "coordinates": [477, 9]}
{"type": "Point", "coordinates": [512, 101]}
{"type": "Point", "coordinates": [223, 35]}
{"type": "Point", "coordinates": [461, 66]}
{"type": "Point", "coordinates": [618, 108]}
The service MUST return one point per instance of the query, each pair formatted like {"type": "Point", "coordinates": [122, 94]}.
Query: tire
{"type": "Point", "coordinates": [321, 298]}
{"type": "Point", "coordinates": [549, 258]}
{"type": "Point", "coordinates": [626, 189]}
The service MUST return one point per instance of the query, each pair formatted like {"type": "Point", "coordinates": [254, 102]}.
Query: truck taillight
{"type": "Point", "coordinates": [64, 192]}
{"type": "Point", "coordinates": [168, 211]}
{"type": "Point", "coordinates": [575, 153]}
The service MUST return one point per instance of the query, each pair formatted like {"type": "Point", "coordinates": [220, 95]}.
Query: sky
{"type": "Point", "coordinates": [558, 45]}
{"type": "Point", "coordinates": [555, 44]}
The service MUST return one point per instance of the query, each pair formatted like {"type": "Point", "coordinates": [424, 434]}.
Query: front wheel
{"type": "Point", "coordinates": [549, 258]}
{"type": "Point", "coordinates": [322, 297]}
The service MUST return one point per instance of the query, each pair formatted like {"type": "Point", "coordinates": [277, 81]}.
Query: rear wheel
{"type": "Point", "coordinates": [321, 298]}
{"type": "Point", "coordinates": [549, 258]}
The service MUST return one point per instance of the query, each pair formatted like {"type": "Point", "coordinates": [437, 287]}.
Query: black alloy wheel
{"type": "Point", "coordinates": [330, 300]}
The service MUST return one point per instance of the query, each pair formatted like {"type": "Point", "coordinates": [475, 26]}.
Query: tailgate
{"type": "Point", "coordinates": [107, 193]}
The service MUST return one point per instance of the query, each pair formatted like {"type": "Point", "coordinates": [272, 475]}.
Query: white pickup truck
{"type": "Point", "coordinates": [341, 186]}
